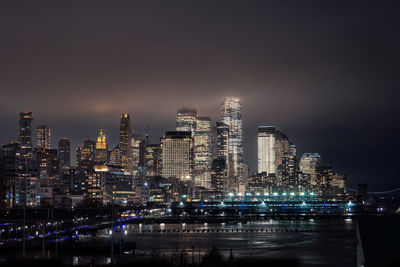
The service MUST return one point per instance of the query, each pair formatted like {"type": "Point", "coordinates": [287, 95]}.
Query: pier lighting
{"type": "Point", "coordinates": [302, 194]}
{"type": "Point", "coordinates": [275, 194]}
{"type": "Point", "coordinates": [292, 193]}
{"type": "Point", "coordinates": [284, 194]}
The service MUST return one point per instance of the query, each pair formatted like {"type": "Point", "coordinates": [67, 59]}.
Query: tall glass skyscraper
{"type": "Point", "coordinates": [43, 136]}
{"type": "Point", "coordinates": [266, 149]}
{"type": "Point", "coordinates": [25, 131]}
{"type": "Point", "coordinates": [177, 155]}
{"type": "Point", "coordinates": [125, 143]}
{"type": "Point", "coordinates": [186, 119]}
{"type": "Point", "coordinates": [231, 115]}
{"type": "Point", "coordinates": [64, 152]}
{"type": "Point", "coordinates": [202, 154]}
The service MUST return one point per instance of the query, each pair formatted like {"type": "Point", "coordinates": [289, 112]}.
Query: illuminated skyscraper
{"type": "Point", "coordinates": [101, 148]}
{"type": "Point", "coordinates": [281, 147]}
{"type": "Point", "coordinates": [152, 160]}
{"type": "Point", "coordinates": [177, 155]}
{"type": "Point", "coordinates": [218, 177]}
{"type": "Point", "coordinates": [266, 149]}
{"type": "Point", "coordinates": [309, 164]}
{"type": "Point", "coordinates": [25, 131]}
{"type": "Point", "coordinates": [231, 115]}
{"type": "Point", "coordinates": [137, 144]}
{"type": "Point", "coordinates": [125, 143]}
{"type": "Point", "coordinates": [202, 152]}
{"type": "Point", "coordinates": [222, 140]}
{"type": "Point", "coordinates": [43, 136]}
{"type": "Point", "coordinates": [186, 120]}
{"type": "Point", "coordinates": [64, 152]}
{"type": "Point", "coordinates": [86, 155]}
{"type": "Point", "coordinates": [49, 165]}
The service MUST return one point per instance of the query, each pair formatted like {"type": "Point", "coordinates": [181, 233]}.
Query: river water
{"type": "Point", "coordinates": [310, 243]}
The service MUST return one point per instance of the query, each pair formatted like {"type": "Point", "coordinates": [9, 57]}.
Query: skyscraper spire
{"type": "Point", "coordinates": [101, 148]}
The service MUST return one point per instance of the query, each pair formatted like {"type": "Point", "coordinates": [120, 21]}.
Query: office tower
{"type": "Point", "coordinates": [177, 155]}
{"type": "Point", "coordinates": [231, 115]}
{"type": "Point", "coordinates": [19, 177]}
{"type": "Point", "coordinates": [137, 144]}
{"type": "Point", "coordinates": [86, 155]}
{"type": "Point", "coordinates": [186, 120]}
{"type": "Point", "coordinates": [219, 175]}
{"type": "Point", "coordinates": [64, 152]}
{"type": "Point", "coordinates": [202, 153]}
{"type": "Point", "coordinates": [25, 131]}
{"type": "Point", "coordinates": [115, 156]}
{"type": "Point", "coordinates": [281, 147]}
{"type": "Point", "coordinates": [309, 164]}
{"type": "Point", "coordinates": [49, 165]}
{"type": "Point", "coordinates": [289, 166]}
{"type": "Point", "coordinates": [125, 143]}
{"type": "Point", "coordinates": [338, 185]}
{"type": "Point", "coordinates": [152, 160]}
{"type": "Point", "coordinates": [101, 148]}
{"type": "Point", "coordinates": [43, 136]}
{"type": "Point", "coordinates": [9, 160]}
{"type": "Point", "coordinates": [266, 149]}
{"type": "Point", "coordinates": [222, 133]}
{"type": "Point", "coordinates": [109, 184]}
{"type": "Point", "coordinates": [203, 124]}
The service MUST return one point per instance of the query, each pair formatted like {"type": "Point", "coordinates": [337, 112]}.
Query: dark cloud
{"type": "Point", "coordinates": [325, 73]}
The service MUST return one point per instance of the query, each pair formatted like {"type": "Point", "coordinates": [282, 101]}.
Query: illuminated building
{"type": "Point", "coordinates": [338, 185]}
{"type": "Point", "coordinates": [137, 144]}
{"type": "Point", "coordinates": [107, 183]}
{"type": "Point", "coordinates": [43, 136]}
{"type": "Point", "coordinates": [115, 156]}
{"type": "Point", "coordinates": [49, 165]}
{"type": "Point", "coordinates": [64, 152]}
{"type": "Point", "coordinates": [289, 166]}
{"type": "Point", "coordinates": [73, 182]}
{"type": "Point", "coordinates": [125, 144]}
{"type": "Point", "coordinates": [177, 155]}
{"type": "Point", "coordinates": [266, 149]}
{"type": "Point", "coordinates": [309, 164]}
{"type": "Point", "coordinates": [152, 160]}
{"type": "Point", "coordinates": [186, 120]}
{"type": "Point", "coordinates": [101, 154]}
{"type": "Point", "coordinates": [231, 115]}
{"type": "Point", "coordinates": [202, 153]}
{"type": "Point", "coordinates": [222, 140]}
{"type": "Point", "coordinates": [218, 177]}
{"type": "Point", "coordinates": [19, 177]}
{"type": "Point", "coordinates": [86, 155]}
{"type": "Point", "coordinates": [25, 131]}
{"type": "Point", "coordinates": [281, 148]}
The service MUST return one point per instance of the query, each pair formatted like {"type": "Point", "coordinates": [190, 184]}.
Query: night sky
{"type": "Point", "coordinates": [326, 73]}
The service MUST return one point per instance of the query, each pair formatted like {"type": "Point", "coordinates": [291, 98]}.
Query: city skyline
{"type": "Point", "coordinates": [330, 86]}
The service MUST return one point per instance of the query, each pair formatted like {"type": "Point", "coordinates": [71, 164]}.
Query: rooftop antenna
{"type": "Point", "coordinates": [147, 134]}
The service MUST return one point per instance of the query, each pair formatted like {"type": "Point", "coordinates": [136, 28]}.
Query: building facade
{"type": "Point", "coordinates": [177, 155]}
